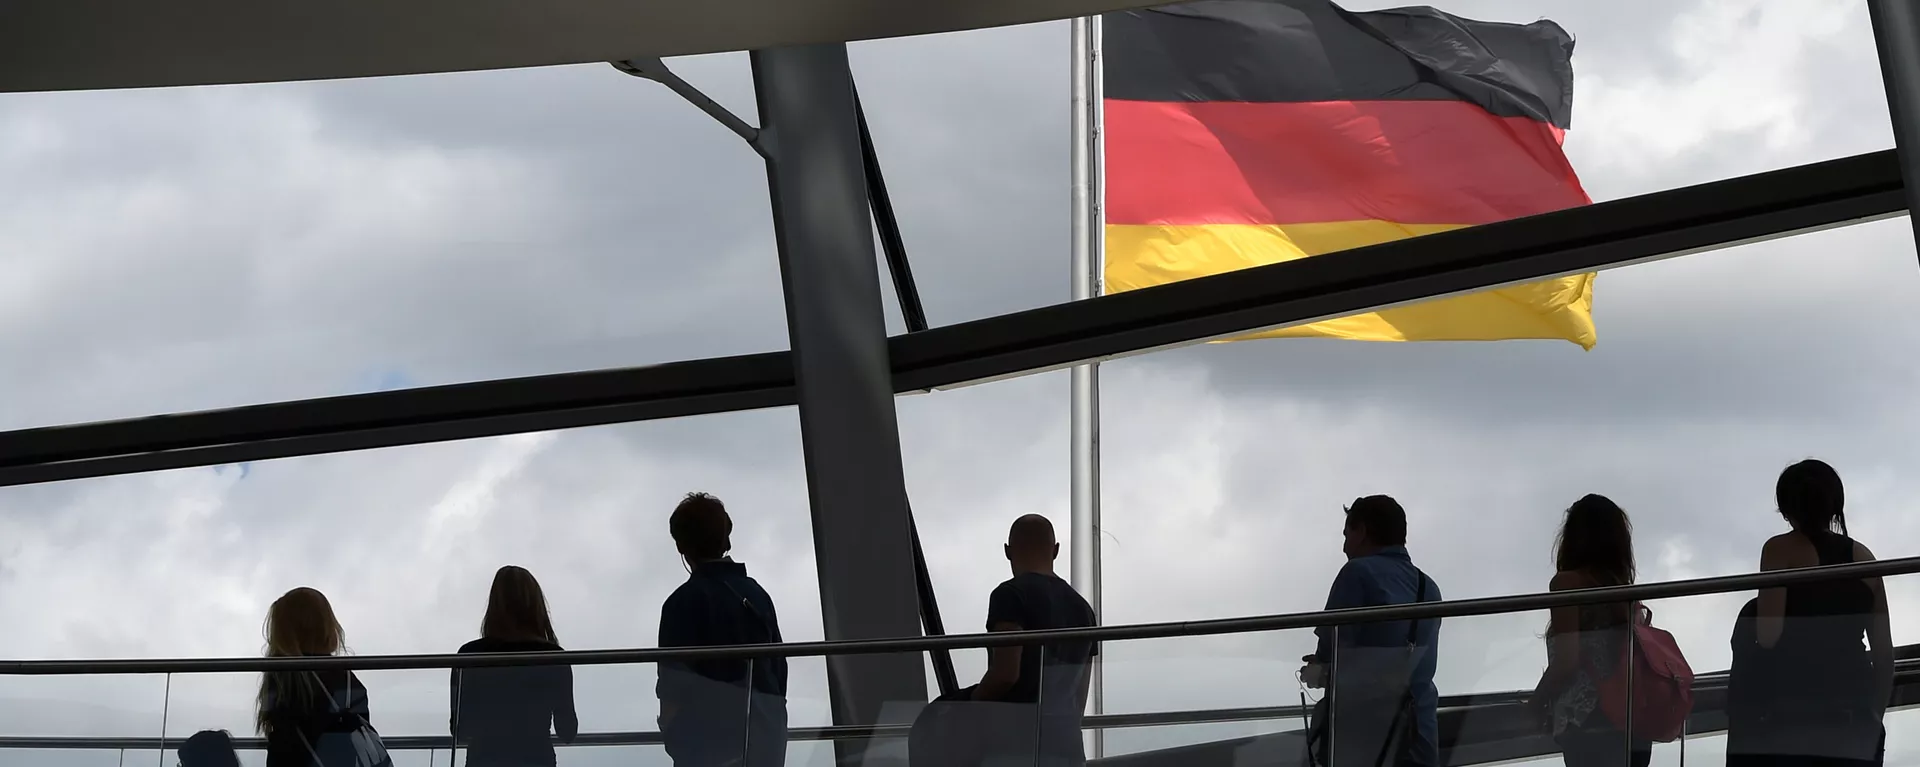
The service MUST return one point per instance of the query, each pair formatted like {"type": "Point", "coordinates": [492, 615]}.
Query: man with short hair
{"type": "Point", "coordinates": [719, 712]}
{"type": "Point", "coordinates": [1056, 676]}
{"type": "Point", "coordinates": [1027, 708]}
{"type": "Point", "coordinates": [1381, 672]}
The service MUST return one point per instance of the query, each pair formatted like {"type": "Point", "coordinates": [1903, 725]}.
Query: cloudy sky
{"type": "Point", "coordinates": [182, 249]}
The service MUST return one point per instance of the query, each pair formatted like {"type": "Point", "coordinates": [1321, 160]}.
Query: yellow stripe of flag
{"type": "Point", "coordinates": [1142, 256]}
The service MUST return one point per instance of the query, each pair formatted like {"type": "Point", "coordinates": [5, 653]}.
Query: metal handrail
{"type": "Point", "coordinates": [1282, 622]}
{"type": "Point", "coordinates": [653, 738]}
{"type": "Point", "coordinates": [794, 735]}
{"type": "Point", "coordinates": [1712, 680]}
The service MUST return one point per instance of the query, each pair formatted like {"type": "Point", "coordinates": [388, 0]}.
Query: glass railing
{"type": "Point", "coordinates": [1220, 692]}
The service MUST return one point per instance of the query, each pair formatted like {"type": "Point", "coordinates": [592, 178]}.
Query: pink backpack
{"type": "Point", "coordinates": [1661, 682]}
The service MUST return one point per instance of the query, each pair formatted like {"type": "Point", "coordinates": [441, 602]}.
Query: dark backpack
{"type": "Point", "coordinates": [348, 740]}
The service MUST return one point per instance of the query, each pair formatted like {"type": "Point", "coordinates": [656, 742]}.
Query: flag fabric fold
{"type": "Point", "coordinates": [1240, 133]}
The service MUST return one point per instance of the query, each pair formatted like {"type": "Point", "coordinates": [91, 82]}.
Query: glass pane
{"type": "Point", "coordinates": [300, 240]}
{"type": "Point", "coordinates": [1489, 666]}
{"type": "Point", "coordinates": [1666, 95]}
{"type": "Point", "coordinates": [1804, 686]}
{"type": "Point", "coordinates": [809, 709]}
{"type": "Point", "coordinates": [104, 705]}
{"type": "Point", "coordinates": [1010, 431]}
{"type": "Point", "coordinates": [709, 713]}
{"type": "Point", "coordinates": [1231, 463]}
{"type": "Point", "coordinates": [401, 703]}
{"type": "Point", "coordinates": [1241, 698]}
{"type": "Point", "coordinates": [816, 740]}
{"type": "Point", "coordinates": [223, 706]}
{"type": "Point", "coordinates": [933, 104]}
{"type": "Point", "coordinates": [73, 720]}
{"type": "Point", "coordinates": [1030, 717]}
{"type": "Point", "coordinates": [619, 716]}
{"type": "Point", "coordinates": [402, 706]}
{"type": "Point", "coordinates": [1901, 738]}
{"type": "Point", "coordinates": [514, 714]}
{"type": "Point", "coordinates": [309, 239]}
{"type": "Point", "coordinates": [405, 544]}
{"type": "Point", "coordinates": [1382, 700]}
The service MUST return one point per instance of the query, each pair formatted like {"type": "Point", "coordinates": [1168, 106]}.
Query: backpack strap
{"type": "Point", "coordinates": [1419, 595]}
{"type": "Point", "coordinates": [766, 626]}
{"type": "Point", "coordinates": [342, 713]}
{"type": "Point", "coordinates": [1402, 715]}
{"type": "Point", "coordinates": [1316, 727]}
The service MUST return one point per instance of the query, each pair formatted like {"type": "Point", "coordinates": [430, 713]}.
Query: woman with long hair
{"type": "Point", "coordinates": [1585, 643]}
{"type": "Point", "coordinates": [295, 708]}
{"type": "Point", "coordinates": [1813, 669]}
{"type": "Point", "coordinates": [502, 715]}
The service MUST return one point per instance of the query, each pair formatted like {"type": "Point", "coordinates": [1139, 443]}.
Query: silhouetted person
{"type": "Point", "coordinates": [313, 717]}
{"type": "Point", "coordinates": [502, 714]}
{"type": "Point", "coordinates": [209, 748]}
{"type": "Point", "coordinates": [719, 712]}
{"type": "Point", "coordinates": [1028, 705]}
{"type": "Point", "coordinates": [1804, 688]}
{"type": "Point", "coordinates": [1585, 643]}
{"type": "Point", "coordinates": [1056, 676]}
{"type": "Point", "coordinates": [1382, 672]}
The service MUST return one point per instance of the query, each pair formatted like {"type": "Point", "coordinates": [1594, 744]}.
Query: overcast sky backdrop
{"type": "Point", "coordinates": [172, 250]}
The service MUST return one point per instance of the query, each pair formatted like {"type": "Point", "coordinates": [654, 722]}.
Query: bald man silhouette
{"type": "Point", "coordinates": [1055, 677]}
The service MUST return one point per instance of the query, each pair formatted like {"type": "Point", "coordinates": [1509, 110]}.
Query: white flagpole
{"type": "Point", "coordinates": [1088, 261]}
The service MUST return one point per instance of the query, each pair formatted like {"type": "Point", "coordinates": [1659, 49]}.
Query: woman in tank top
{"type": "Point", "coordinates": [1584, 643]}
{"type": "Point", "coordinates": [1811, 691]}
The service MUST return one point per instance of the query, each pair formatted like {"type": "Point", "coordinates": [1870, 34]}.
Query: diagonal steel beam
{"type": "Point", "coordinates": [1606, 235]}
{"type": "Point", "coordinates": [893, 244]}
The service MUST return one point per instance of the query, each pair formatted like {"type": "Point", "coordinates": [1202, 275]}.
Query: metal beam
{"type": "Point", "coordinates": [391, 418]}
{"type": "Point", "coordinates": [862, 533]}
{"type": "Point", "coordinates": [91, 44]}
{"type": "Point", "coordinates": [896, 255]}
{"type": "Point", "coordinates": [1896, 31]}
{"type": "Point", "coordinates": [893, 245]}
{"type": "Point", "coordinates": [657, 70]}
{"type": "Point", "coordinates": [1665, 224]}
{"type": "Point", "coordinates": [941, 658]}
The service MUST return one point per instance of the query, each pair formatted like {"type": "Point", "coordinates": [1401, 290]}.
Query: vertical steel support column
{"type": "Point", "coordinates": [1896, 31]}
{"type": "Point", "coordinates": [862, 534]}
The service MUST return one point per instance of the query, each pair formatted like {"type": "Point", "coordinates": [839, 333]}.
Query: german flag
{"type": "Point", "coordinates": [1248, 132]}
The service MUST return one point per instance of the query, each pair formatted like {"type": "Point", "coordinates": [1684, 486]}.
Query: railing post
{"type": "Point", "coordinates": [1332, 681]}
{"type": "Point", "coordinates": [1627, 732]}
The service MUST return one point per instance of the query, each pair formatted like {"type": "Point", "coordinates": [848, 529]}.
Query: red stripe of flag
{"type": "Point", "coordinates": [1414, 162]}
